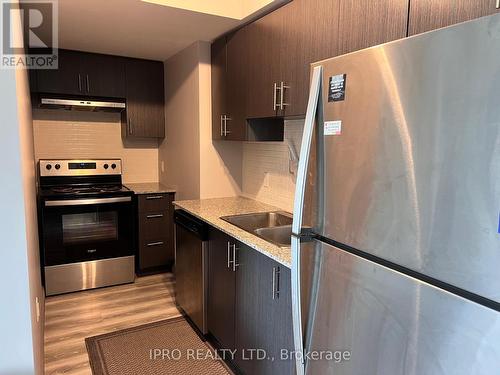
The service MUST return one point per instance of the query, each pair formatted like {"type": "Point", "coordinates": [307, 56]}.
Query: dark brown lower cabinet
{"type": "Point", "coordinates": [250, 307]}
{"type": "Point", "coordinates": [155, 233]}
{"type": "Point", "coordinates": [249, 310]}
{"type": "Point", "coordinates": [221, 289]}
{"type": "Point", "coordinates": [263, 326]}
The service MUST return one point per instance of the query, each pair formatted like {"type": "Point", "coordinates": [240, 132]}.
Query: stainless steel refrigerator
{"type": "Point", "coordinates": [396, 245]}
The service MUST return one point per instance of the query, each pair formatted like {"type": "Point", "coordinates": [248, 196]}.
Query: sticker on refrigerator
{"type": "Point", "coordinates": [336, 89]}
{"type": "Point", "coordinates": [333, 127]}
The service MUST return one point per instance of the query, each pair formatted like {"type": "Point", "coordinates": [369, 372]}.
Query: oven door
{"type": "Point", "coordinates": [78, 230]}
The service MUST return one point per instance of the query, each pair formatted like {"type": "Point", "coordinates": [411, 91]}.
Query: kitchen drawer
{"type": "Point", "coordinates": [155, 202]}
{"type": "Point", "coordinates": [153, 225]}
{"type": "Point", "coordinates": [155, 253]}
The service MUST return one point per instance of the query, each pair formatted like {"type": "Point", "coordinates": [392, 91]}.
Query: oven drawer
{"type": "Point", "coordinates": [154, 225]}
{"type": "Point", "coordinates": [154, 254]}
{"type": "Point", "coordinates": [155, 202]}
{"type": "Point", "coordinates": [72, 277]}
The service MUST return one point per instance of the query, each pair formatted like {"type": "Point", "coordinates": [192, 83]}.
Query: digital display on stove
{"type": "Point", "coordinates": [82, 165]}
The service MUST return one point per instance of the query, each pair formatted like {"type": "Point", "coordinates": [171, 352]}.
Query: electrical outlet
{"type": "Point", "coordinates": [162, 166]}
{"type": "Point", "coordinates": [266, 179]}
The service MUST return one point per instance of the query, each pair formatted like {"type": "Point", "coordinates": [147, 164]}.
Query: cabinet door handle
{"type": "Point", "coordinates": [226, 118]}
{"type": "Point", "coordinates": [129, 125]}
{"type": "Point", "coordinates": [276, 283]}
{"type": "Point", "coordinates": [159, 243]}
{"type": "Point", "coordinates": [79, 82]}
{"type": "Point", "coordinates": [155, 216]}
{"type": "Point", "coordinates": [150, 197]}
{"type": "Point", "coordinates": [235, 264]}
{"type": "Point", "coordinates": [282, 95]}
{"type": "Point", "coordinates": [222, 125]}
{"type": "Point", "coordinates": [88, 83]}
{"type": "Point", "coordinates": [229, 255]}
{"type": "Point", "coordinates": [275, 105]}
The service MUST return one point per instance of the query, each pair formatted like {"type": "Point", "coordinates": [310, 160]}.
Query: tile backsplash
{"type": "Point", "coordinates": [79, 135]}
{"type": "Point", "coordinates": [266, 168]}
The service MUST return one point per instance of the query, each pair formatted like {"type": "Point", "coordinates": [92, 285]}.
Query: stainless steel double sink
{"type": "Point", "coordinates": [275, 227]}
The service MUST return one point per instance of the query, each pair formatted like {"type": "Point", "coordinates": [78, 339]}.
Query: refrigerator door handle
{"type": "Point", "coordinates": [298, 336]}
{"type": "Point", "coordinates": [305, 149]}
{"type": "Point", "coordinates": [312, 106]}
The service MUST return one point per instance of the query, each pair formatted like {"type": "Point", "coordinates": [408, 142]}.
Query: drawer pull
{"type": "Point", "coordinates": [159, 243]}
{"type": "Point", "coordinates": [155, 216]}
{"type": "Point", "coordinates": [235, 263]}
{"type": "Point", "coordinates": [154, 197]}
{"type": "Point", "coordinates": [229, 261]}
{"type": "Point", "coordinates": [276, 282]}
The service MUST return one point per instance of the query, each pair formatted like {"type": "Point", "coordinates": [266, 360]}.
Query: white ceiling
{"type": "Point", "coordinates": [136, 28]}
{"type": "Point", "coordinates": [237, 9]}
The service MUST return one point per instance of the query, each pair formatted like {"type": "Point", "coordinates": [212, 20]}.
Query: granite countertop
{"type": "Point", "coordinates": [149, 188]}
{"type": "Point", "coordinates": [210, 211]}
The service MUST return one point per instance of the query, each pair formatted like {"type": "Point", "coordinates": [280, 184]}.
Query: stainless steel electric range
{"type": "Point", "coordinates": [86, 225]}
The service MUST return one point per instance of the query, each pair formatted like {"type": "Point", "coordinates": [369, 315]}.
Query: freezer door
{"type": "Point", "coordinates": [412, 172]}
{"type": "Point", "coordinates": [363, 318]}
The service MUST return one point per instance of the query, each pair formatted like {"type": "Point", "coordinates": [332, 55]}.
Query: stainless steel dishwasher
{"type": "Point", "coordinates": [191, 267]}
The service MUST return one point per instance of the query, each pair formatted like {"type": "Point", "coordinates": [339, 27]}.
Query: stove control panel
{"type": "Point", "coordinates": [80, 167]}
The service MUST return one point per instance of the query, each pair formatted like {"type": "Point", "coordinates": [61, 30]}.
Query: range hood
{"type": "Point", "coordinates": [82, 105]}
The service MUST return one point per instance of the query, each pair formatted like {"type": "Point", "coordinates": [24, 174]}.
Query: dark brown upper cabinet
{"type": "Point", "coordinates": [426, 15]}
{"type": "Point", "coordinates": [84, 74]}
{"type": "Point", "coordinates": [104, 75]}
{"type": "Point", "coordinates": [235, 123]}
{"type": "Point", "coordinates": [140, 82]}
{"type": "Point", "coordinates": [263, 70]}
{"type": "Point", "coordinates": [310, 34]}
{"type": "Point", "coordinates": [264, 37]}
{"type": "Point", "coordinates": [266, 67]}
{"type": "Point", "coordinates": [145, 96]}
{"type": "Point", "coordinates": [219, 84]}
{"type": "Point", "coordinates": [282, 45]}
{"type": "Point", "coordinates": [318, 29]}
{"type": "Point", "coordinates": [67, 79]}
{"type": "Point", "coordinates": [364, 24]}
{"type": "Point", "coordinates": [228, 87]}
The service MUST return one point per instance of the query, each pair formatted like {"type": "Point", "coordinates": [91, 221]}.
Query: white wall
{"type": "Point", "coordinates": [180, 150]}
{"type": "Point", "coordinates": [80, 135]}
{"type": "Point", "coordinates": [193, 164]}
{"type": "Point", "coordinates": [22, 335]}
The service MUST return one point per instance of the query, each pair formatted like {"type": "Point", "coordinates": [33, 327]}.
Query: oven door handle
{"type": "Point", "coordinates": [86, 201]}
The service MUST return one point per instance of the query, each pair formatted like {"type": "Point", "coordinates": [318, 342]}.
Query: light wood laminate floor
{"type": "Point", "coordinates": [70, 318]}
